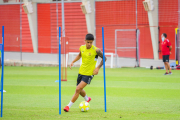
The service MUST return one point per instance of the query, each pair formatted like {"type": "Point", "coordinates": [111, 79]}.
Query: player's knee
{"type": "Point", "coordinates": [78, 90]}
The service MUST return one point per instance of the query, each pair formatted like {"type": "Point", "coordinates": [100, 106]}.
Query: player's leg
{"type": "Point", "coordinates": [165, 64]}
{"type": "Point", "coordinates": [82, 81]}
{"type": "Point", "coordinates": [168, 65]}
{"type": "Point", "coordinates": [84, 95]}
{"type": "Point", "coordinates": [86, 79]}
{"type": "Point", "coordinates": [80, 86]}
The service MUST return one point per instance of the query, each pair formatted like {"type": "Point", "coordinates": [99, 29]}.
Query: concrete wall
{"type": "Point", "coordinates": [13, 59]}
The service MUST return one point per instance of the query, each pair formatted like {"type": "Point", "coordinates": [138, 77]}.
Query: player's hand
{"type": "Point", "coordinates": [71, 65]}
{"type": "Point", "coordinates": [170, 52]}
{"type": "Point", "coordinates": [95, 72]}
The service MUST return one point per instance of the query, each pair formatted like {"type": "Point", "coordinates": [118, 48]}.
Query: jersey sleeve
{"type": "Point", "coordinates": [80, 48]}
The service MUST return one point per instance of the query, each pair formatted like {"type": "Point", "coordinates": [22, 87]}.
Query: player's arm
{"type": "Point", "coordinates": [100, 54]}
{"type": "Point", "coordinates": [76, 59]}
{"type": "Point", "coordinates": [170, 48]}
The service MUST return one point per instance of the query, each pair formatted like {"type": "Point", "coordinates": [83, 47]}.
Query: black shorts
{"type": "Point", "coordinates": [165, 58]}
{"type": "Point", "coordinates": [86, 79]}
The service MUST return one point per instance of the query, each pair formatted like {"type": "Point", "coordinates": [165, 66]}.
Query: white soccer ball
{"type": "Point", "coordinates": [84, 106]}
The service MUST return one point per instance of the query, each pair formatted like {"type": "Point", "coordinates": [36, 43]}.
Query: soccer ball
{"type": "Point", "coordinates": [84, 106]}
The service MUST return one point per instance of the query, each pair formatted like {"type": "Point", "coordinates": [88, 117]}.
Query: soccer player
{"type": "Point", "coordinates": [89, 54]}
{"type": "Point", "coordinates": [166, 51]}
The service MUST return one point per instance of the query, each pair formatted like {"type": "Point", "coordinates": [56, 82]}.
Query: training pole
{"type": "Point", "coordinates": [60, 70]}
{"type": "Point", "coordinates": [2, 74]}
{"type": "Point", "coordinates": [104, 72]}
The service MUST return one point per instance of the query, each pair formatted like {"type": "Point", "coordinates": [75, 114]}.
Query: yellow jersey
{"type": "Point", "coordinates": [89, 59]}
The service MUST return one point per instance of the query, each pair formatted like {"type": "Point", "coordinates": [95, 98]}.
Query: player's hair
{"type": "Point", "coordinates": [165, 35]}
{"type": "Point", "coordinates": [89, 36]}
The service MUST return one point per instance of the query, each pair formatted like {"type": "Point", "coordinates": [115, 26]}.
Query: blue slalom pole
{"type": "Point", "coordinates": [104, 72]}
{"type": "Point", "coordinates": [60, 70]}
{"type": "Point", "coordinates": [2, 74]}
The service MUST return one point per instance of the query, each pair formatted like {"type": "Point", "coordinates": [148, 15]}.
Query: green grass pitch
{"type": "Point", "coordinates": [132, 94]}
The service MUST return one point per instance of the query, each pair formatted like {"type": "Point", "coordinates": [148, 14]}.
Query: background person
{"type": "Point", "coordinates": [166, 51]}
